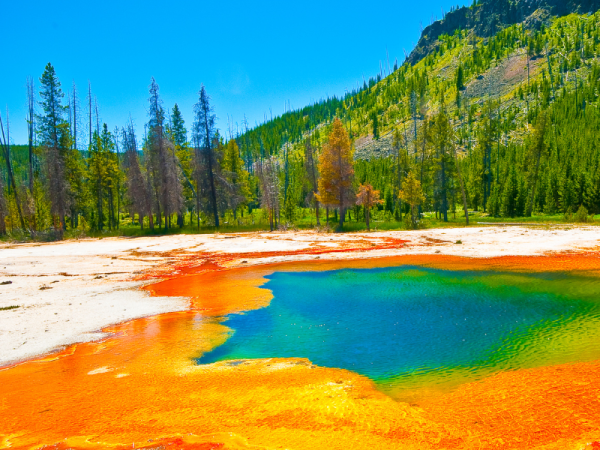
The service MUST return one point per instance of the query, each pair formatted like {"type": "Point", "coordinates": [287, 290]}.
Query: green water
{"type": "Point", "coordinates": [407, 326]}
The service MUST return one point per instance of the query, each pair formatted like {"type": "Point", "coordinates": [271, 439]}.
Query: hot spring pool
{"type": "Point", "coordinates": [404, 327]}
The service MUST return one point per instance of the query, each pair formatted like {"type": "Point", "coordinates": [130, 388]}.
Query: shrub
{"type": "Point", "coordinates": [582, 215]}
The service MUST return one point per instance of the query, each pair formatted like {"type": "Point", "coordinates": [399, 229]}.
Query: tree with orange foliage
{"type": "Point", "coordinates": [368, 197]}
{"type": "Point", "coordinates": [412, 193]}
{"type": "Point", "coordinates": [337, 171]}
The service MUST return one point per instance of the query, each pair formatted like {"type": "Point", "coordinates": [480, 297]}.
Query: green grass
{"type": "Point", "coordinates": [305, 219]}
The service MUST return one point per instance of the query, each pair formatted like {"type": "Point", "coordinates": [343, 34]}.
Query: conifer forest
{"type": "Point", "coordinates": [494, 116]}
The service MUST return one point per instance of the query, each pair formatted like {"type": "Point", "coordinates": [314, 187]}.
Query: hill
{"type": "Point", "coordinates": [493, 69]}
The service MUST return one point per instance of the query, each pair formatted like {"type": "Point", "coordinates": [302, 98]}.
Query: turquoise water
{"type": "Point", "coordinates": [392, 323]}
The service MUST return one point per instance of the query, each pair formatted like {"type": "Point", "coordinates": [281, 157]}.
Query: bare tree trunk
{"type": "Point", "coordinates": [462, 188]}
{"type": "Point", "coordinates": [118, 179]}
{"type": "Point", "coordinates": [535, 176]}
{"type": "Point", "coordinates": [30, 137]}
{"type": "Point", "coordinates": [30, 128]}
{"type": "Point", "coordinates": [313, 175]}
{"type": "Point", "coordinates": [211, 178]}
{"type": "Point", "coordinates": [90, 113]}
{"type": "Point", "coordinates": [74, 116]}
{"type": "Point", "coordinates": [198, 211]}
{"type": "Point", "coordinates": [97, 115]}
{"type": "Point", "coordinates": [342, 204]}
{"type": "Point", "coordinates": [100, 222]}
{"type": "Point", "coordinates": [2, 219]}
{"type": "Point", "coordinates": [444, 192]}
{"type": "Point", "coordinates": [11, 177]}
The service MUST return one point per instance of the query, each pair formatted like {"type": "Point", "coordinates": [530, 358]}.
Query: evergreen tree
{"type": "Point", "coordinates": [233, 166]}
{"type": "Point", "coordinates": [337, 172]}
{"type": "Point", "coordinates": [163, 163]}
{"type": "Point", "coordinates": [367, 197]}
{"type": "Point", "coordinates": [412, 194]}
{"type": "Point", "coordinates": [537, 149]}
{"type": "Point", "coordinates": [178, 135]}
{"type": "Point", "coordinates": [207, 167]}
{"type": "Point", "coordinates": [53, 134]}
{"type": "Point", "coordinates": [312, 175]}
{"type": "Point", "coordinates": [177, 129]}
{"type": "Point", "coordinates": [442, 138]}
{"type": "Point", "coordinates": [375, 121]}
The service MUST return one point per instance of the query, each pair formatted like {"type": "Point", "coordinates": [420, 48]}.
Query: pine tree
{"type": "Point", "coordinates": [442, 138]}
{"type": "Point", "coordinates": [509, 198]}
{"type": "Point", "coordinates": [460, 78]}
{"type": "Point", "coordinates": [178, 136]}
{"type": "Point", "coordinates": [412, 193]}
{"type": "Point", "coordinates": [163, 162]}
{"type": "Point", "coordinates": [337, 171]}
{"type": "Point", "coordinates": [206, 162]}
{"type": "Point", "coordinates": [537, 150]}
{"type": "Point", "coordinates": [233, 166]}
{"type": "Point", "coordinates": [375, 122]}
{"type": "Point", "coordinates": [97, 176]}
{"type": "Point", "coordinates": [53, 132]}
{"type": "Point", "coordinates": [368, 197]}
{"type": "Point", "coordinates": [312, 175]}
{"type": "Point", "coordinates": [177, 128]}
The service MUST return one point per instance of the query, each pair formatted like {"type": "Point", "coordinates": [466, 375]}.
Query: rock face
{"type": "Point", "coordinates": [490, 16]}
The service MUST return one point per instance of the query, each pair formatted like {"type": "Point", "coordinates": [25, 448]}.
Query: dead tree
{"type": "Point", "coordinates": [90, 114]}
{"type": "Point", "coordinates": [30, 128]}
{"type": "Point", "coordinates": [5, 142]}
{"type": "Point", "coordinates": [137, 186]}
{"type": "Point", "coordinates": [116, 137]}
{"type": "Point", "coordinates": [269, 186]}
{"type": "Point", "coordinates": [3, 209]}
{"type": "Point", "coordinates": [312, 174]}
{"type": "Point", "coordinates": [166, 174]}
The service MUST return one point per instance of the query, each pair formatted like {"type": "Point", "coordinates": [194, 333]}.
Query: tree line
{"type": "Point", "coordinates": [169, 178]}
{"type": "Point", "coordinates": [531, 150]}
{"type": "Point", "coordinates": [155, 182]}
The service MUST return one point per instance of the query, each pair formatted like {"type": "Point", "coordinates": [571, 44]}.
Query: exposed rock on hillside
{"type": "Point", "coordinates": [490, 16]}
{"type": "Point", "coordinates": [502, 79]}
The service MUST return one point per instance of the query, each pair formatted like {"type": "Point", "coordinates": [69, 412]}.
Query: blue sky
{"type": "Point", "coordinates": [251, 56]}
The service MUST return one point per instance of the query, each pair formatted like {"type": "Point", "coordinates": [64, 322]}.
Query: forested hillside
{"type": "Point", "coordinates": [495, 111]}
{"type": "Point", "coordinates": [522, 106]}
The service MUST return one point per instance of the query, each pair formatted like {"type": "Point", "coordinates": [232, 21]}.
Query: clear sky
{"type": "Point", "coordinates": [251, 56]}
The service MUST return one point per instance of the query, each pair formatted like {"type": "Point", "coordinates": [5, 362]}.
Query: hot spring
{"type": "Point", "coordinates": [408, 328]}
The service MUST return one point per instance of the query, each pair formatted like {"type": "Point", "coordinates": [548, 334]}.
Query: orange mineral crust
{"type": "Point", "coordinates": [140, 388]}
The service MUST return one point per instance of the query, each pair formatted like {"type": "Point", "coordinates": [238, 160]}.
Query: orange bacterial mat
{"type": "Point", "coordinates": [140, 388]}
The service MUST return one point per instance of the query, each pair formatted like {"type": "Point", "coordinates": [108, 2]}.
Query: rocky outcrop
{"type": "Point", "coordinates": [490, 16]}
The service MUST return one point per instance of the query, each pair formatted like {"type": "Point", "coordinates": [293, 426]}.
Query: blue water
{"type": "Point", "coordinates": [386, 323]}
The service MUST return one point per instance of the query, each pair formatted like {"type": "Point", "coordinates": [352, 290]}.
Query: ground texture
{"type": "Point", "coordinates": [138, 388]}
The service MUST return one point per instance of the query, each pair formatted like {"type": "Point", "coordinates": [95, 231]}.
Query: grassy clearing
{"type": "Point", "coordinates": [305, 219]}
